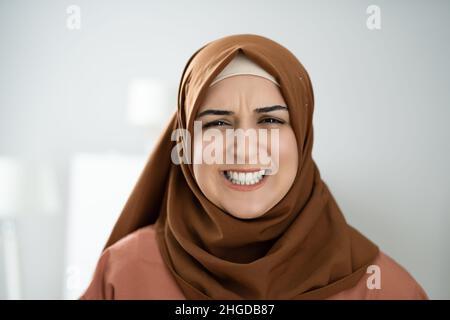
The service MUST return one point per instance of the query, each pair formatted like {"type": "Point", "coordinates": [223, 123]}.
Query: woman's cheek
{"type": "Point", "coordinates": [288, 160]}
{"type": "Point", "coordinates": [205, 174]}
{"type": "Point", "coordinates": [198, 154]}
{"type": "Point", "coordinates": [288, 143]}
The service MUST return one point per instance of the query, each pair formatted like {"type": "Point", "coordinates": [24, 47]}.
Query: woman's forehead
{"type": "Point", "coordinates": [242, 91]}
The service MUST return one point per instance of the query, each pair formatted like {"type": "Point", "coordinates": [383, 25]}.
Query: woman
{"type": "Point", "coordinates": [196, 227]}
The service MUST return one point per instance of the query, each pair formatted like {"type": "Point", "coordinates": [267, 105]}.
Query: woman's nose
{"type": "Point", "coordinates": [247, 145]}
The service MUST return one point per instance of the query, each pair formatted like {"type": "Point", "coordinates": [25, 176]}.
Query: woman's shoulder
{"type": "Point", "coordinates": [385, 279]}
{"type": "Point", "coordinates": [138, 245]}
{"type": "Point", "coordinates": [396, 281]}
{"type": "Point", "coordinates": [133, 268]}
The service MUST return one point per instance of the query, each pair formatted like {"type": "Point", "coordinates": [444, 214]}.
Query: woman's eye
{"type": "Point", "coordinates": [271, 120]}
{"type": "Point", "coordinates": [217, 123]}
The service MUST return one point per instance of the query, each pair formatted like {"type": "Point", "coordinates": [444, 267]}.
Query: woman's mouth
{"type": "Point", "coordinates": [245, 180]}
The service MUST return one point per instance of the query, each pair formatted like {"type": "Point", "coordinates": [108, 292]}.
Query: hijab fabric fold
{"type": "Point", "coordinates": [302, 248]}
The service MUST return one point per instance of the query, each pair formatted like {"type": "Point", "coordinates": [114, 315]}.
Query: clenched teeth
{"type": "Point", "coordinates": [245, 178]}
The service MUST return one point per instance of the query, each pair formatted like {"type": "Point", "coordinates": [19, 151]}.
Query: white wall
{"type": "Point", "coordinates": [382, 103]}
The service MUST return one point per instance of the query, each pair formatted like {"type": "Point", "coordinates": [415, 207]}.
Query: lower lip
{"type": "Point", "coordinates": [243, 187]}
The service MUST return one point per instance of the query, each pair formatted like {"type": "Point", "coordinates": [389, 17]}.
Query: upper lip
{"type": "Point", "coordinates": [243, 169]}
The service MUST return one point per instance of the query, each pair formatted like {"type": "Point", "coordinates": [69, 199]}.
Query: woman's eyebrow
{"type": "Point", "coordinates": [215, 112]}
{"type": "Point", "coordinates": [270, 108]}
{"type": "Point", "coordinates": [218, 112]}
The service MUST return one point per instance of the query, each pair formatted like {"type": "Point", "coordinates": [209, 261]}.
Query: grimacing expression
{"type": "Point", "coordinates": [243, 102]}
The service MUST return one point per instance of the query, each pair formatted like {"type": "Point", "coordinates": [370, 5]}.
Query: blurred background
{"type": "Point", "coordinates": [87, 86]}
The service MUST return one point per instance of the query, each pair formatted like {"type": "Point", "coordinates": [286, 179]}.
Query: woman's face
{"type": "Point", "coordinates": [250, 103]}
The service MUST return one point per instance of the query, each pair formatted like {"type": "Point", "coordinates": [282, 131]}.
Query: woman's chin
{"type": "Point", "coordinates": [245, 211]}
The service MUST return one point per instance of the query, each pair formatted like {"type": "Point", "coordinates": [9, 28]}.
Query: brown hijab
{"type": "Point", "coordinates": [300, 249]}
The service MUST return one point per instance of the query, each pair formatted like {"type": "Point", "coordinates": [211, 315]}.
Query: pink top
{"type": "Point", "coordinates": [133, 268]}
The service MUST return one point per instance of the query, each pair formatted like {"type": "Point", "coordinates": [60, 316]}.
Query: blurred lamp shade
{"type": "Point", "coordinates": [148, 102]}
